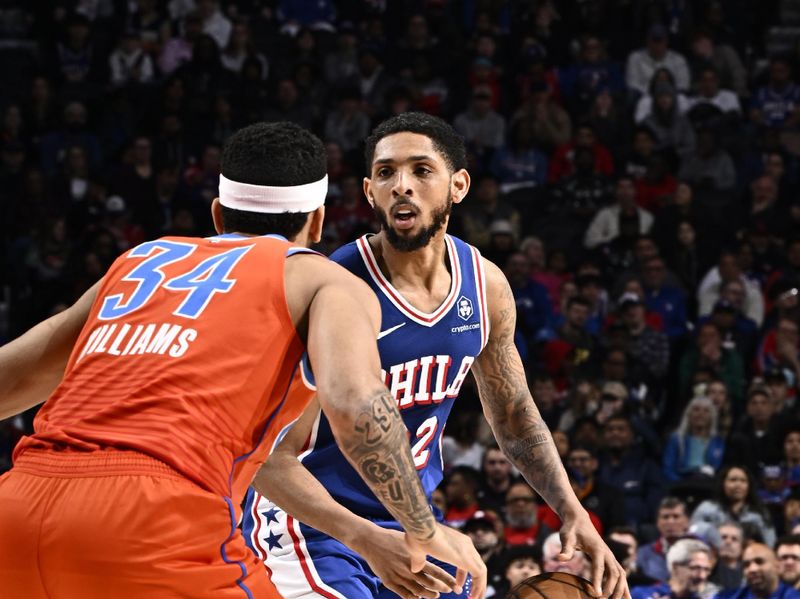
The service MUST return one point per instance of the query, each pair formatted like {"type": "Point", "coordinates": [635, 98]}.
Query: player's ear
{"type": "Point", "coordinates": [316, 222]}
{"type": "Point", "coordinates": [366, 184]}
{"type": "Point", "coordinates": [459, 185]}
{"type": "Point", "coordinates": [216, 215]}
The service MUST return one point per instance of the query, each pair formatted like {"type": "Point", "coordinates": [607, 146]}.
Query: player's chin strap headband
{"type": "Point", "coordinates": [272, 200]}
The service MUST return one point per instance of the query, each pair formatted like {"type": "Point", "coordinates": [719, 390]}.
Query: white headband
{"type": "Point", "coordinates": [272, 200]}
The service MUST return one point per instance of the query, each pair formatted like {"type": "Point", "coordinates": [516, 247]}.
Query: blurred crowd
{"type": "Point", "coordinates": [635, 171]}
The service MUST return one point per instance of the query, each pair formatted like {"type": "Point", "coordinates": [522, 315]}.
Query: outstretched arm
{"type": "Point", "coordinates": [524, 437]}
{"type": "Point", "coordinates": [31, 366]}
{"type": "Point", "coordinates": [288, 484]}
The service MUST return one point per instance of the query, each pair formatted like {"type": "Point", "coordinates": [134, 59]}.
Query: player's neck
{"type": "Point", "coordinates": [423, 267]}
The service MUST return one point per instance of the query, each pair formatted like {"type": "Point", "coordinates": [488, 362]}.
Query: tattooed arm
{"type": "Point", "coordinates": [526, 440]}
{"type": "Point", "coordinates": [341, 325]}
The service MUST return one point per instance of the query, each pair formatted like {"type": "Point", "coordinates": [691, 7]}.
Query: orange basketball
{"type": "Point", "coordinates": [553, 585]}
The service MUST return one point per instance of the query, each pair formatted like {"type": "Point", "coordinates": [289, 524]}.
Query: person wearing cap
{"type": "Point", "coordinates": [673, 131]}
{"type": "Point", "coordinates": [485, 531]}
{"type": "Point", "coordinates": [648, 348]}
{"type": "Point", "coordinates": [785, 401]}
{"type": "Point", "coordinates": [168, 385]}
{"type": "Point", "coordinates": [481, 126]}
{"type": "Point", "coordinates": [695, 450]}
{"type": "Point", "coordinates": [738, 331]}
{"type": "Point", "coordinates": [519, 563]}
{"type": "Point", "coordinates": [643, 63]}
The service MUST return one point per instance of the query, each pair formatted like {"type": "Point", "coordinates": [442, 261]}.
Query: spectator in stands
{"type": "Point", "coordinates": [522, 525]}
{"type": "Point", "coordinates": [646, 103]}
{"type": "Point", "coordinates": [486, 206]}
{"type": "Point", "coordinates": [563, 163]}
{"type": "Point", "coordinates": [695, 449]}
{"type": "Point", "coordinates": [780, 348]}
{"type": "Point", "coordinates": [643, 63]}
{"type": "Point", "coordinates": [550, 123]}
{"type": "Point", "coordinates": [707, 166]}
{"type": "Point", "coordinates": [713, 105]}
{"type": "Point", "coordinates": [647, 347]}
{"type": "Point", "coordinates": [482, 528]}
{"type": "Point", "coordinates": [215, 23]}
{"type": "Point", "coordinates": [672, 522]}
{"type": "Point", "coordinates": [689, 564]}
{"type": "Point", "coordinates": [534, 312]}
{"type": "Point", "coordinates": [728, 571]}
{"type": "Point", "coordinates": [129, 63]}
{"type": "Point", "coordinates": [481, 126]}
{"type": "Point", "coordinates": [624, 466]}
{"type": "Point", "coordinates": [706, 53]}
{"type": "Point", "coordinates": [777, 104]}
{"type": "Point", "coordinates": [496, 480]}
{"type": "Point", "coordinates": [757, 439]}
{"type": "Point", "coordinates": [727, 269]}
{"type": "Point", "coordinates": [607, 503]}
{"type": "Point", "coordinates": [622, 219]}
{"type": "Point", "coordinates": [348, 124]}
{"type": "Point", "coordinates": [519, 165]}
{"type": "Point", "coordinates": [520, 563]}
{"type": "Point", "coordinates": [666, 300]}
{"type": "Point", "coordinates": [461, 490]}
{"type": "Point", "coordinates": [761, 575]}
{"type": "Point", "coordinates": [551, 549]}
{"type": "Point", "coordinates": [736, 499]}
{"type": "Point", "coordinates": [592, 73]}
{"type": "Point", "coordinates": [623, 539]}
{"type": "Point", "coordinates": [672, 130]}
{"type": "Point", "coordinates": [709, 353]}
{"type": "Point", "coordinates": [787, 551]}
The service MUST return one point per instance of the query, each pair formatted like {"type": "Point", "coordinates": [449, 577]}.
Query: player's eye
{"type": "Point", "coordinates": [422, 171]}
{"type": "Point", "coordinates": [384, 172]}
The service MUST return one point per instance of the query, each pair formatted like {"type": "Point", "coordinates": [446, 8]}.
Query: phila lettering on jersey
{"type": "Point", "coordinates": [425, 360]}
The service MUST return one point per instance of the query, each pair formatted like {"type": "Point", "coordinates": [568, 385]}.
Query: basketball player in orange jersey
{"type": "Point", "coordinates": [444, 309]}
{"type": "Point", "coordinates": [186, 372]}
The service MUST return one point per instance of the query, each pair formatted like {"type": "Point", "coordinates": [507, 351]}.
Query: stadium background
{"type": "Point", "coordinates": [634, 168]}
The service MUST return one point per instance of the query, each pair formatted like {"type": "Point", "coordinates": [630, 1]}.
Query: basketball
{"type": "Point", "coordinates": [553, 585]}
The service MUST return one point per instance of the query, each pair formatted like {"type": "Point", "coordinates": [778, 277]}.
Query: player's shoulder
{"type": "Point", "coordinates": [349, 255]}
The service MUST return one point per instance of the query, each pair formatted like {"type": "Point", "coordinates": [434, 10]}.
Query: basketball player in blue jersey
{"type": "Point", "coordinates": [445, 311]}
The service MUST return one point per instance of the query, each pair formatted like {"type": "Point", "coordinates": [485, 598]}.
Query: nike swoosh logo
{"type": "Point", "coordinates": [383, 334]}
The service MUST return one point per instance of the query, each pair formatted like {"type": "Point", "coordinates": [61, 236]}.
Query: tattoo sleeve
{"type": "Point", "coordinates": [378, 448]}
{"type": "Point", "coordinates": [512, 413]}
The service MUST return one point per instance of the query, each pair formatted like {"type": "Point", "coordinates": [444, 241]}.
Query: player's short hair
{"type": "Point", "coordinates": [445, 139]}
{"type": "Point", "coordinates": [278, 154]}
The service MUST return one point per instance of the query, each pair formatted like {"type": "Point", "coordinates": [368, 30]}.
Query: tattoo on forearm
{"type": "Point", "coordinates": [379, 451]}
{"type": "Point", "coordinates": [512, 413]}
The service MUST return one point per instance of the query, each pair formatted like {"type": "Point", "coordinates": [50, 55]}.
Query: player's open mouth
{"type": "Point", "coordinates": [404, 218]}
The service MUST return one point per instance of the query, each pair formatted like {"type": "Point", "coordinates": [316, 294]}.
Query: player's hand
{"type": "Point", "coordinates": [452, 547]}
{"type": "Point", "coordinates": [389, 556]}
{"type": "Point", "coordinates": [608, 576]}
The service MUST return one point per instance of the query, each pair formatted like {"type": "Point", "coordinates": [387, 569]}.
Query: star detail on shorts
{"type": "Point", "coordinates": [272, 541]}
{"type": "Point", "coordinates": [271, 515]}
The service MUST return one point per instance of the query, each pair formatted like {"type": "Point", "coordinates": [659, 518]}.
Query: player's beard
{"type": "Point", "coordinates": [410, 243]}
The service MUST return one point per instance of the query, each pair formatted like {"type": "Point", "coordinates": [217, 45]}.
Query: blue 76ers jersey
{"type": "Point", "coordinates": [425, 359]}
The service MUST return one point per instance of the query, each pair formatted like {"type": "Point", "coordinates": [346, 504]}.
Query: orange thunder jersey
{"type": "Point", "coordinates": [188, 355]}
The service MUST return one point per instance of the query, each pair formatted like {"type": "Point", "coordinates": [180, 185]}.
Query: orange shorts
{"type": "Point", "coordinates": [118, 524]}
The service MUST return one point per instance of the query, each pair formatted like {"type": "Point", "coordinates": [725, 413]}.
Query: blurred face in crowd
{"type": "Point", "coordinates": [655, 273]}
{"type": "Point", "coordinates": [787, 332]}
{"type": "Point", "coordinates": [592, 50]}
{"type": "Point", "coordinates": [521, 569]}
{"type": "Point", "coordinates": [789, 563]}
{"type": "Point", "coordinates": [699, 418]}
{"type": "Point", "coordinates": [779, 73]}
{"type": "Point", "coordinates": [708, 336]}
{"type": "Point", "coordinates": [496, 465]}
{"type": "Point", "coordinates": [488, 191]}
{"type": "Point", "coordinates": [736, 485]}
{"type": "Point", "coordinates": [699, 568]}
{"type": "Point", "coordinates": [731, 543]}
{"type": "Point", "coordinates": [760, 408]}
{"type": "Point", "coordinates": [791, 447]}
{"type": "Point", "coordinates": [760, 569]}
{"type": "Point", "coordinates": [734, 292]}
{"type": "Point", "coordinates": [439, 499]}
{"type": "Point", "coordinates": [412, 189]}
{"type": "Point", "coordinates": [544, 390]}
{"type": "Point", "coordinates": [483, 536]}
{"type": "Point", "coordinates": [584, 137]}
{"type": "Point", "coordinates": [458, 491]}
{"type": "Point", "coordinates": [517, 270]}
{"type": "Point", "coordinates": [764, 191]}
{"type": "Point", "coordinates": [614, 365]}
{"type": "Point", "coordinates": [672, 522]}
{"type": "Point", "coordinates": [686, 234]}
{"type": "Point", "coordinates": [728, 267]}
{"type": "Point", "coordinates": [520, 506]}
{"type": "Point", "coordinates": [617, 435]}
{"type": "Point", "coordinates": [626, 193]}
{"type": "Point", "coordinates": [577, 315]}
{"type": "Point", "coordinates": [582, 464]}
{"type": "Point", "coordinates": [708, 84]}
{"type": "Point", "coordinates": [774, 167]}
{"type": "Point", "coordinates": [629, 540]}
{"type": "Point", "coordinates": [577, 565]}
{"type": "Point", "coordinates": [561, 441]}
{"type": "Point", "coordinates": [643, 143]}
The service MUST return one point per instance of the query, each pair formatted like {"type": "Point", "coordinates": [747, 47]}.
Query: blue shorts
{"type": "Point", "coordinates": [304, 562]}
